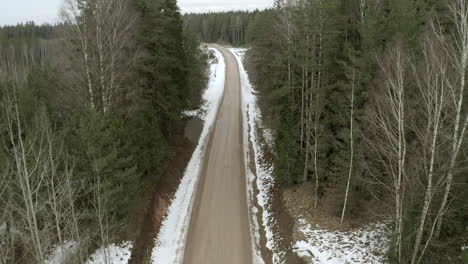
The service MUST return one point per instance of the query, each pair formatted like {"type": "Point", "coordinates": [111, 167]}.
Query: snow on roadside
{"type": "Point", "coordinates": [116, 254]}
{"type": "Point", "coordinates": [366, 245]}
{"type": "Point", "coordinates": [190, 113]}
{"type": "Point", "coordinates": [170, 243]}
{"type": "Point", "coordinates": [263, 175]}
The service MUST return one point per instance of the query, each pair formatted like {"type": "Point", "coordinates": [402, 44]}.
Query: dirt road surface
{"type": "Point", "coordinates": [219, 228]}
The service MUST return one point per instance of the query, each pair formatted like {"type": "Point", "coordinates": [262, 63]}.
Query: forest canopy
{"type": "Point", "coordinates": [88, 109]}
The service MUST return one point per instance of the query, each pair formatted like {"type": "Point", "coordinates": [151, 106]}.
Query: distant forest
{"type": "Point", "coordinates": [27, 30]}
{"type": "Point", "coordinates": [368, 101]}
{"type": "Point", "coordinates": [229, 28]}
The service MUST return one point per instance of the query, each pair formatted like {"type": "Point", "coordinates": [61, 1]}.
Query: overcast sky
{"type": "Point", "coordinates": [41, 11]}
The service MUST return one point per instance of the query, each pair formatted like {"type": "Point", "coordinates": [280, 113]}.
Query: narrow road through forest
{"type": "Point", "coordinates": [219, 228]}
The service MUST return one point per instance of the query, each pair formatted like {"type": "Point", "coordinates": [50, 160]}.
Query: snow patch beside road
{"type": "Point", "coordinates": [366, 245]}
{"type": "Point", "coordinates": [170, 243]}
{"type": "Point", "coordinates": [112, 254]}
{"type": "Point", "coordinates": [262, 178]}
{"type": "Point", "coordinates": [115, 254]}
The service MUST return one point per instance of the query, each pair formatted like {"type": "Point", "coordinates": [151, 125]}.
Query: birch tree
{"type": "Point", "coordinates": [72, 14]}
{"type": "Point", "coordinates": [351, 143]}
{"type": "Point", "coordinates": [458, 52]}
{"type": "Point", "coordinates": [107, 54]}
{"type": "Point", "coordinates": [434, 97]}
{"type": "Point", "coordinates": [390, 120]}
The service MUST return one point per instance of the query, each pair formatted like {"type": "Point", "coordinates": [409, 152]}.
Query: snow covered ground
{"type": "Point", "coordinates": [367, 245]}
{"type": "Point", "coordinates": [115, 254]}
{"type": "Point", "coordinates": [170, 243]}
{"type": "Point", "coordinates": [60, 253]}
{"type": "Point", "coordinates": [262, 177]}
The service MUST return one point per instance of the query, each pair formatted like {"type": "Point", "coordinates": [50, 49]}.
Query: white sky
{"type": "Point", "coordinates": [41, 11]}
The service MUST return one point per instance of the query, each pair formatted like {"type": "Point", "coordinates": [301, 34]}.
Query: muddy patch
{"type": "Point", "coordinates": [285, 227]}
{"type": "Point", "coordinates": [163, 194]}
{"type": "Point", "coordinates": [282, 224]}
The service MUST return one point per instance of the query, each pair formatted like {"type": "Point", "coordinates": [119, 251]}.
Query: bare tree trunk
{"type": "Point", "coordinates": [53, 188]}
{"type": "Point", "coordinates": [70, 198]}
{"type": "Point", "coordinates": [307, 151]}
{"type": "Point", "coordinates": [317, 109]}
{"type": "Point", "coordinates": [309, 101]}
{"type": "Point", "coordinates": [351, 142]}
{"type": "Point", "coordinates": [100, 204]}
{"type": "Point", "coordinates": [308, 135]}
{"type": "Point", "coordinates": [316, 170]}
{"type": "Point", "coordinates": [289, 57]}
{"type": "Point", "coordinates": [303, 88]}
{"type": "Point", "coordinates": [391, 120]}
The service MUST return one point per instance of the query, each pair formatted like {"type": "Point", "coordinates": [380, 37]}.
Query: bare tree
{"type": "Point", "coordinates": [318, 113]}
{"type": "Point", "coordinates": [391, 124]}
{"type": "Point", "coordinates": [107, 52]}
{"type": "Point", "coordinates": [55, 186]}
{"type": "Point", "coordinates": [72, 14]}
{"type": "Point", "coordinates": [101, 208]}
{"type": "Point", "coordinates": [114, 24]}
{"type": "Point", "coordinates": [459, 53]}
{"type": "Point", "coordinates": [311, 105]}
{"type": "Point", "coordinates": [6, 236]}
{"type": "Point", "coordinates": [38, 199]}
{"type": "Point", "coordinates": [28, 171]}
{"type": "Point", "coordinates": [309, 96]}
{"type": "Point", "coordinates": [432, 81]}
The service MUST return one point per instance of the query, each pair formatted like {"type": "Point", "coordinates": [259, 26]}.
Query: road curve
{"type": "Point", "coordinates": [219, 228]}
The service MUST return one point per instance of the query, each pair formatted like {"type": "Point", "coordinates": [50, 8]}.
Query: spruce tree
{"type": "Point", "coordinates": [99, 145]}
{"type": "Point", "coordinates": [165, 65]}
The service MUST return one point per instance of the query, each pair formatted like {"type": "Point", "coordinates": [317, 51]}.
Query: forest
{"type": "Point", "coordinates": [368, 103]}
{"type": "Point", "coordinates": [88, 109]}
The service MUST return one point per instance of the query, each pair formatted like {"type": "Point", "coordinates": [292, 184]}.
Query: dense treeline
{"type": "Point", "coordinates": [368, 101]}
{"type": "Point", "coordinates": [86, 111]}
{"type": "Point", "coordinates": [28, 30]}
{"type": "Point", "coordinates": [230, 27]}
